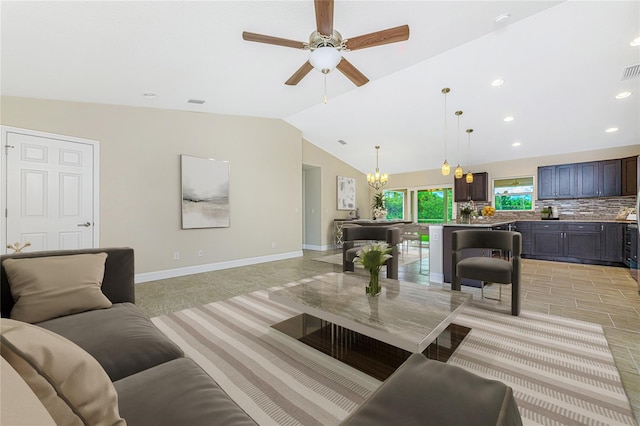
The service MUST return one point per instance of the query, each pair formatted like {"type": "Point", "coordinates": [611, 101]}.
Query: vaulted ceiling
{"type": "Point", "coordinates": [562, 64]}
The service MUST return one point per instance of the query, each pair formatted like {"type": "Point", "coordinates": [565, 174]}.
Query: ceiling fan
{"type": "Point", "coordinates": [326, 44]}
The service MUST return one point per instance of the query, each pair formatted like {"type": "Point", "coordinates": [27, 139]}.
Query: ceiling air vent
{"type": "Point", "coordinates": [195, 101]}
{"type": "Point", "coordinates": [632, 71]}
{"type": "Point", "coordinates": [341, 142]}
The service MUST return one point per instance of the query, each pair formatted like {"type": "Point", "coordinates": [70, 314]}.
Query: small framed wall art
{"type": "Point", "coordinates": [205, 192]}
{"type": "Point", "coordinates": [346, 193]}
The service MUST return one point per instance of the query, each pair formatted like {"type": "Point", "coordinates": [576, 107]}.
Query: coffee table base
{"type": "Point", "coordinates": [375, 358]}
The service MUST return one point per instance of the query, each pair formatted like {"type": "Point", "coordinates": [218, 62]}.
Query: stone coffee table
{"type": "Point", "coordinates": [341, 320]}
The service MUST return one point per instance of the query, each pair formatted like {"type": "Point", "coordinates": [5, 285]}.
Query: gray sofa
{"type": "Point", "coordinates": [157, 385]}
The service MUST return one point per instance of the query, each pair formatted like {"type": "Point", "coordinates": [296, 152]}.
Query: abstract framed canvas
{"type": "Point", "coordinates": [205, 193]}
{"type": "Point", "coordinates": [346, 193]}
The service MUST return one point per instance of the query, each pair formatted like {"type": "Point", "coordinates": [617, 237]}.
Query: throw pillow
{"type": "Point", "coordinates": [69, 382]}
{"type": "Point", "coordinates": [49, 287]}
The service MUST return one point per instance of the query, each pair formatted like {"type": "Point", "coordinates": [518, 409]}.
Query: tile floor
{"type": "Point", "coordinates": [599, 294]}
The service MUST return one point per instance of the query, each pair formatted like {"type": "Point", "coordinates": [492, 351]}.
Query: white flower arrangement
{"type": "Point", "coordinates": [468, 207]}
{"type": "Point", "coordinates": [379, 213]}
{"type": "Point", "coordinates": [373, 256]}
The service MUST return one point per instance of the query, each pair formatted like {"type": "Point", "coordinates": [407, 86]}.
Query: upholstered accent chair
{"type": "Point", "coordinates": [500, 262]}
{"type": "Point", "coordinates": [392, 235]}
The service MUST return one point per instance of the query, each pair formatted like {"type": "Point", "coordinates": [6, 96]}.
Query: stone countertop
{"type": "Point", "coordinates": [479, 223]}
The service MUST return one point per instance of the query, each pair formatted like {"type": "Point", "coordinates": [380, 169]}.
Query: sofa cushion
{"type": "Point", "coordinates": [50, 287]}
{"type": "Point", "coordinates": [178, 392]}
{"type": "Point", "coordinates": [122, 338]}
{"type": "Point", "coordinates": [431, 393]}
{"type": "Point", "coordinates": [20, 405]}
{"type": "Point", "coordinates": [68, 381]}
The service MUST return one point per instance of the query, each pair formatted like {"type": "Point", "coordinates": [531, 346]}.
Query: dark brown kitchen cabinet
{"type": "Point", "coordinates": [629, 169]}
{"type": "Point", "coordinates": [599, 179]}
{"type": "Point", "coordinates": [611, 235]}
{"type": "Point", "coordinates": [476, 191]}
{"type": "Point", "coordinates": [580, 180]}
{"type": "Point", "coordinates": [580, 242]}
{"type": "Point", "coordinates": [524, 228]}
{"type": "Point", "coordinates": [557, 181]}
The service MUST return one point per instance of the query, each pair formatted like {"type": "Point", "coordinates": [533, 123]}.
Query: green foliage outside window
{"type": "Point", "coordinates": [435, 205]}
{"type": "Point", "coordinates": [513, 194]}
{"type": "Point", "coordinates": [394, 203]}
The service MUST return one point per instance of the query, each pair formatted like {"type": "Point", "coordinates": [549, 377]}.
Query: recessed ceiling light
{"type": "Point", "coordinates": [635, 42]}
{"type": "Point", "coordinates": [611, 129]}
{"type": "Point", "coordinates": [149, 95]}
{"type": "Point", "coordinates": [508, 118]}
{"type": "Point", "coordinates": [502, 18]}
{"type": "Point", "coordinates": [516, 143]}
{"type": "Point", "coordinates": [497, 82]}
{"type": "Point", "coordinates": [623, 95]}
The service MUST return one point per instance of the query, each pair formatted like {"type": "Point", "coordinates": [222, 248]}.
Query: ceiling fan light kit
{"type": "Point", "coordinates": [325, 59]}
{"type": "Point", "coordinates": [326, 44]}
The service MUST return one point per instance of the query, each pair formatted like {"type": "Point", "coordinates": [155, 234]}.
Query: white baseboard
{"type": "Point", "coordinates": [317, 248]}
{"type": "Point", "coordinates": [436, 277]}
{"type": "Point", "coordinates": [197, 269]}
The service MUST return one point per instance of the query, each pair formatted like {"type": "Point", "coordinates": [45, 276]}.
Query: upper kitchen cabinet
{"type": "Point", "coordinates": [580, 180]}
{"type": "Point", "coordinates": [476, 191]}
{"type": "Point", "coordinates": [629, 184]}
{"type": "Point", "coordinates": [599, 179]}
{"type": "Point", "coordinates": [557, 181]}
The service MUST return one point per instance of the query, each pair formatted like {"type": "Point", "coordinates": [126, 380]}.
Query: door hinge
{"type": "Point", "coordinates": [6, 148]}
{"type": "Point", "coordinates": [6, 212]}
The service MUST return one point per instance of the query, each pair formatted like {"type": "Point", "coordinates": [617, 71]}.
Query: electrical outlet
{"type": "Point", "coordinates": [176, 255]}
{"type": "Point", "coordinates": [200, 253]}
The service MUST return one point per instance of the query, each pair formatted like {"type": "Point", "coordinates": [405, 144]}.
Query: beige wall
{"type": "Point", "coordinates": [508, 169]}
{"type": "Point", "coordinates": [140, 178]}
{"type": "Point", "coordinates": [331, 167]}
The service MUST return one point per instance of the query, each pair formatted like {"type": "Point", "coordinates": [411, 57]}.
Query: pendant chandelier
{"type": "Point", "coordinates": [445, 166]}
{"type": "Point", "coordinates": [458, 172]}
{"type": "Point", "coordinates": [469, 177]}
{"type": "Point", "coordinates": [377, 180]}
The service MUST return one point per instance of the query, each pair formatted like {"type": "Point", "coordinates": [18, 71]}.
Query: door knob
{"type": "Point", "coordinates": [86, 224]}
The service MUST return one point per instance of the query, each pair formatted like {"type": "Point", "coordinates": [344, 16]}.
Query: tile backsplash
{"type": "Point", "coordinates": [572, 209]}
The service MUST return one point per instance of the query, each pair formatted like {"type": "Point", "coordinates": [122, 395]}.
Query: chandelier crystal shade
{"type": "Point", "coordinates": [377, 180]}
{"type": "Point", "coordinates": [458, 172]}
{"type": "Point", "coordinates": [446, 169]}
{"type": "Point", "coordinates": [469, 177]}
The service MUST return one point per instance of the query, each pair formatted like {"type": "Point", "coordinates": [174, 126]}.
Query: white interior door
{"type": "Point", "coordinates": [51, 198]}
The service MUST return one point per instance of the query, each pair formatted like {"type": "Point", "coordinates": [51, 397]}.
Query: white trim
{"type": "Point", "coordinates": [318, 248]}
{"type": "Point", "coordinates": [197, 269]}
{"type": "Point", "coordinates": [435, 277]}
{"type": "Point", "coordinates": [4, 130]}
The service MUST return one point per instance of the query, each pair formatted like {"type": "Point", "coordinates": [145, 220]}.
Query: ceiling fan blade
{"type": "Point", "coordinates": [324, 16]}
{"type": "Point", "coordinates": [352, 73]}
{"type": "Point", "coordinates": [260, 38]}
{"type": "Point", "coordinates": [299, 75]}
{"type": "Point", "coordinates": [391, 35]}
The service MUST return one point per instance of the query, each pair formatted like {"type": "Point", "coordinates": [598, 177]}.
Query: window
{"type": "Point", "coordinates": [394, 202]}
{"type": "Point", "coordinates": [435, 205]}
{"type": "Point", "coordinates": [513, 193]}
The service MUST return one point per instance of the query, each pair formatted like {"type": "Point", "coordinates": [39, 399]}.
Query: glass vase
{"type": "Point", "coordinates": [373, 289]}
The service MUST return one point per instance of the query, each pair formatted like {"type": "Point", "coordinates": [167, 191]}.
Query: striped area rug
{"type": "Point", "coordinates": [561, 370]}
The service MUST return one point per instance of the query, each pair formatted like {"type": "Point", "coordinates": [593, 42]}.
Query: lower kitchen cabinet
{"type": "Point", "coordinates": [584, 242]}
{"type": "Point", "coordinates": [611, 249]}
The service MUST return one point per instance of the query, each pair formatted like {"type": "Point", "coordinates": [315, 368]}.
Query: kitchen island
{"type": "Point", "coordinates": [577, 241]}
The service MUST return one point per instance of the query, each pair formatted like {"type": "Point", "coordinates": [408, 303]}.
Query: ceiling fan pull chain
{"type": "Point", "coordinates": [325, 88]}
